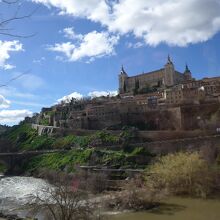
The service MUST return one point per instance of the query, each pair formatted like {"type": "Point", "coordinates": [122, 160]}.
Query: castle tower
{"type": "Point", "coordinates": [123, 81]}
{"type": "Point", "coordinates": [169, 73]}
{"type": "Point", "coordinates": [187, 74]}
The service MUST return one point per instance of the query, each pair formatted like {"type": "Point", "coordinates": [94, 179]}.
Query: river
{"type": "Point", "coordinates": [178, 209]}
{"type": "Point", "coordinates": [16, 191]}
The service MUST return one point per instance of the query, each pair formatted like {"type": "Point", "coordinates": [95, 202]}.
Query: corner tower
{"type": "Point", "coordinates": [123, 81]}
{"type": "Point", "coordinates": [187, 74]}
{"type": "Point", "coordinates": [169, 73]}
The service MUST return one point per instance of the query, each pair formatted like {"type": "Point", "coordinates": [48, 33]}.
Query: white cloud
{"type": "Point", "coordinates": [39, 61]}
{"type": "Point", "coordinates": [68, 98]}
{"type": "Point", "coordinates": [66, 48]}
{"type": "Point", "coordinates": [174, 22]}
{"type": "Point", "coordinates": [95, 94]}
{"type": "Point", "coordinates": [135, 45]}
{"type": "Point", "coordinates": [13, 116]}
{"type": "Point", "coordinates": [8, 66]}
{"type": "Point", "coordinates": [6, 47]}
{"type": "Point", "coordinates": [4, 103]}
{"type": "Point", "coordinates": [92, 45]}
{"type": "Point", "coordinates": [70, 33]}
{"type": "Point", "coordinates": [95, 10]}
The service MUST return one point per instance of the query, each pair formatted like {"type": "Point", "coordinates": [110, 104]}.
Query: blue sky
{"type": "Point", "coordinates": [79, 47]}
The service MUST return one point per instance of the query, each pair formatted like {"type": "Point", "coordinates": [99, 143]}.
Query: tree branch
{"type": "Point", "coordinates": [15, 17]}
{"type": "Point", "coordinates": [15, 78]}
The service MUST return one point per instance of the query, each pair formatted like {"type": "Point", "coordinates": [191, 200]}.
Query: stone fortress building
{"type": "Point", "coordinates": [164, 99]}
{"type": "Point", "coordinates": [165, 77]}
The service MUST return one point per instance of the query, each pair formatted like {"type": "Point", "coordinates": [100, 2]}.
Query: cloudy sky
{"type": "Point", "coordinates": [78, 47]}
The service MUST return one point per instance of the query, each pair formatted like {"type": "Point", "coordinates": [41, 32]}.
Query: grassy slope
{"type": "Point", "coordinates": [81, 152]}
{"type": "Point", "coordinates": [90, 156]}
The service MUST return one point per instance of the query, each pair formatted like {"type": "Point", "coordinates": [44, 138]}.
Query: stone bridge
{"type": "Point", "coordinates": [14, 160]}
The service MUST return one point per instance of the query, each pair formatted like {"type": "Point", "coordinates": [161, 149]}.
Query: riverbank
{"type": "Point", "coordinates": [178, 208]}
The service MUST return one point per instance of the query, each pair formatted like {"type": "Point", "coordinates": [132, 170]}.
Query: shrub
{"type": "Point", "coordinates": [103, 138]}
{"type": "Point", "coordinates": [65, 142]}
{"type": "Point", "coordinates": [182, 173]}
{"type": "Point", "coordinates": [135, 196]}
{"type": "Point", "coordinates": [2, 168]}
{"type": "Point", "coordinates": [21, 133]}
{"type": "Point", "coordinates": [44, 121]}
{"type": "Point", "coordinates": [40, 143]}
{"type": "Point", "coordinates": [141, 151]}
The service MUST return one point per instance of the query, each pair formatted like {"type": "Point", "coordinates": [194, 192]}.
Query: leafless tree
{"type": "Point", "coordinates": [14, 78]}
{"type": "Point", "coordinates": [6, 30]}
{"type": "Point", "coordinates": [5, 22]}
{"type": "Point", "coordinates": [65, 201]}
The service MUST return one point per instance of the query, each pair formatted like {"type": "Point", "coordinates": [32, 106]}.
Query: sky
{"type": "Point", "coordinates": [75, 48]}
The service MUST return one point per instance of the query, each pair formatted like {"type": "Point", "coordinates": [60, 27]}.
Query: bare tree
{"type": "Point", "coordinates": [64, 201]}
{"type": "Point", "coordinates": [6, 30]}
{"type": "Point", "coordinates": [5, 22]}
{"type": "Point", "coordinates": [14, 78]}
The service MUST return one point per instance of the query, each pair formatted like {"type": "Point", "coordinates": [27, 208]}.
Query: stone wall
{"type": "Point", "coordinates": [188, 144]}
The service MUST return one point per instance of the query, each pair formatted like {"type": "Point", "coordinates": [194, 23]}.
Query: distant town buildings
{"type": "Point", "coordinates": [157, 100]}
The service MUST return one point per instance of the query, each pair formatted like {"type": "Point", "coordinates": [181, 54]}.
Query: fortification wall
{"type": "Point", "coordinates": [208, 143]}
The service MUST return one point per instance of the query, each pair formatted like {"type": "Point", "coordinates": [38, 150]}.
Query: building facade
{"type": "Point", "coordinates": [162, 78]}
{"type": "Point", "coordinates": [159, 100]}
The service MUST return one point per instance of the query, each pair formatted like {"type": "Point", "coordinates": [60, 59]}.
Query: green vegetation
{"type": "Point", "coordinates": [2, 168]}
{"type": "Point", "coordinates": [26, 138]}
{"type": "Point", "coordinates": [40, 143]}
{"type": "Point", "coordinates": [106, 137]}
{"type": "Point", "coordinates": [21, 133]}
{"type": "Point", "coordinates": [44, 121]}
{"type": "Point", "coordinates": [178, 173]}
{"type": "Point", "coordinates": [59, 161]}
{"type": "Point", "coordinates": [50, 113]}
{"type": "Point", "coordinates": [66, 161]}
{"type": "Point", "coordinates": [64, 142]}
{"type": "Point", "coordinates": [182, 173]}
{"type": "Point", "coordinates": [141, 151]}
{"type": "Point", "coordinates": [82, 149]}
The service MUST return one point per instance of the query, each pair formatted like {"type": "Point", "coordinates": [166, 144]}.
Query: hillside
{"type": "Point", "coordinates": [97, 149]}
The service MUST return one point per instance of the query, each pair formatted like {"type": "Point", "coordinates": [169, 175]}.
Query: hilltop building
{"type": "Point", "coordinates": [165, 77]}
{"type": "Point", "coordinates": [164, 99]}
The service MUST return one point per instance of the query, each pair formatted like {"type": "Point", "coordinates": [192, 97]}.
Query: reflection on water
{"type": "Point", "coordinates": [178, 209]}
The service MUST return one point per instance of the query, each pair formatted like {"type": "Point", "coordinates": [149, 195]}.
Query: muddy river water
{"type": "Point", "coordinates": [16, 191]}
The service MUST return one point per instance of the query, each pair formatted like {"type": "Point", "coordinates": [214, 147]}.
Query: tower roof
{"type": "Point", "coordinates": [168, 59]}
{"type": "Point", "coordinates": [187, 69]}
{"type": "Point", "coordinates": [122, 70]}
